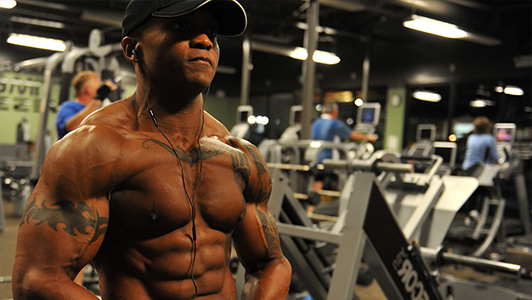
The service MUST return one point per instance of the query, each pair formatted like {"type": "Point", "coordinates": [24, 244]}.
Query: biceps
{"type": "Point", "coordinates": [256, 238]}
{"type": "Point", "coordinates": [62, 231]}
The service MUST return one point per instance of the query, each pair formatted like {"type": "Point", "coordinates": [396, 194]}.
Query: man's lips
{"type": "Point", "coordinates": [201, 58]}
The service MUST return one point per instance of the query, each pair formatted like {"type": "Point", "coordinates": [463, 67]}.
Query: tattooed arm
{"type": "Point", "coordinates": [64, 222]}
{"type": "Point", "coordinates": [268, 272]}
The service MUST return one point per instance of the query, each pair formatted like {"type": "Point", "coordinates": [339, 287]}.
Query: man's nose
{"type": "Point", "coordinates": [201, 41]}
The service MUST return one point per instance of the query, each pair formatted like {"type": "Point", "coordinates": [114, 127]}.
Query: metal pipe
{"type": "Point", "coordinates": [246, 70]}
{"type": "Point", "coordinates": [395, 167]}
{"type": "Point", "coordinates": [365, 72]}
{"type": "Point", "coordinates": [309, 68]}
{"type": "Point", "coordinates": [442, 258]}
{"type": "Point", "coordinates": [40, 145]}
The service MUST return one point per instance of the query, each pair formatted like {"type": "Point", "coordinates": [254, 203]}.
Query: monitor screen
{"type": "Point", "coordinates": [295, 114]}
{"type": "Point", "coordinates": [369, 114]}
{"type": "Point", "coordinates": [447, 151]}
{"type": "Point", "coordinates": [244, 116]}
{"type": "Point", "coordinates": [243, 112]}
{"type": "Point", "coordinates": [426, 132]}
{"type": "Point", "coordinates": [503, 135]}
{"type": "Point", "coordinates": [463, 129]}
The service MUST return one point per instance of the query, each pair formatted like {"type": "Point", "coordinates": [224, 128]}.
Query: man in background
{"type": "Point", "coordinates": [329, 128]}
{"type": "Point", "coordinates": [89, 93]}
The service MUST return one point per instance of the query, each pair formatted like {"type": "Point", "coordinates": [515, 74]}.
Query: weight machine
{"type": "Point", "coordinates": [366, 229]}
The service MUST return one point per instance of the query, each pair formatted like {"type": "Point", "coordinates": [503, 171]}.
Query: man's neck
{"type": "Point", "coordinates": [170, 117]}
{"type": "Point", "coordinates": [327, 116]}
{"type": "Point", "coordinates": [83, 99]}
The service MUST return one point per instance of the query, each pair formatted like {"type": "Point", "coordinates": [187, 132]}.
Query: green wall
{"type": "Point", "coordinates": [21, 93]}
{"type": "Point", "coordinates": [223, 109]}
{"type": "Point", "coordinates": [20, 97]}
{"type": "Point", "coordinates": [395, 116]}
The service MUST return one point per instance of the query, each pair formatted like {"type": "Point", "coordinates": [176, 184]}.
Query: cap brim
{"type": "Point", "coordinates": [230, 14]}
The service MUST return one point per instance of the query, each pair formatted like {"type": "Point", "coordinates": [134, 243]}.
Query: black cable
{"type": "Point", "coordinates": [191, 201]}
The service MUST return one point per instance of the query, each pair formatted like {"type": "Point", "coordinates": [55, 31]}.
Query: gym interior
{"type": "Point", "coordinates": [401, 219]}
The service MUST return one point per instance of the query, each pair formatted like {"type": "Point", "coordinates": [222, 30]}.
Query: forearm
{"type": "Point", "coordinates": [271, 282]}
{"type": "Point", "coordinates": [35, 284]}
{"type": "Point", "coordinates": [358, 136]}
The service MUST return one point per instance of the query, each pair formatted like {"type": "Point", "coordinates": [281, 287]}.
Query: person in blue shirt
{"type": "Point", "coordinates": [329, 128]}
{"type": "Point", "coordinates": [89, 93]}
{"type": "Point", "coordinates": [481, 148]}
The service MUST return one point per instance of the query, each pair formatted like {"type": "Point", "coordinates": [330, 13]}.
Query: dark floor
{"type": "Point", "coordinates": [8, 239]}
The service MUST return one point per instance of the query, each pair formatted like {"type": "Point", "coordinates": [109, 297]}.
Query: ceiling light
{"type": "Point", "coordinates": [8, 4]}
{"type": "Point", "coordinates": [481, 103]}
{"type": "Point", "coordinates": [427, 96]}
{"type": "Point", "coordinates": [319, 56]}
{"type": "Point", "coordinates": [32, 21]}
{"type": "Point", "coordinates": [36, 42]}
{"type": "Point", "coordinates": [513, 90]}
{"type": "Point", "coordinates": [300, 53]}
{"type": "Point", "coordinates": [435, 27]}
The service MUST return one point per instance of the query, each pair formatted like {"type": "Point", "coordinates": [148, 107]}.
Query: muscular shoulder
{"type": "Point", "coordinates": [118, 115]}
{"type": "Point", "coordinates": [259, 185]}
{"type": "Point", "coordinates": [87, 155]}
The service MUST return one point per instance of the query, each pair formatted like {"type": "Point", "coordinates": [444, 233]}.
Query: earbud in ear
{"type": "Point", "coordinates": [135, 53]}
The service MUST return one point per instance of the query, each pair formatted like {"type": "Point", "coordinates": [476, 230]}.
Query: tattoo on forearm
{"type": "Point", "coordinates": [65, 212]}
{"type": "Point", "coordinates": [189, 158]}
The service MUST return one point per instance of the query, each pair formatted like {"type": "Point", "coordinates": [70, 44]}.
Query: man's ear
{"type": "Point", "coordinates": [128, 45]}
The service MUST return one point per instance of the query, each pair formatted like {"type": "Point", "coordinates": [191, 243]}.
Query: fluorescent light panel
{"type": "Point", "coordinates": [447, 30]}
{"type": "Point", "coordinates": [436, 27]}
{"type": "Point", "coordinates": [319, 56]}
{"type": "Point", "coordinates": [510, 90]}
{"type": "Point", "coordinates": [513, 90]}
{"type": "Point", "coordinates": [300, 53]}
{"type": "Point", "coordinates": [481, 103]}
{"type": "Point", "coordinates": [8, 4]}
{"type": "Point", "coordinates": [36, 42]}
{"type": "Point", "coordinates": [427, 96]}
{"type": "Point", "coordinates": [32, 21]}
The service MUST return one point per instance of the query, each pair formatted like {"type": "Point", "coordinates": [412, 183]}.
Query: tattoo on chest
{"type": "Point", "coordinates": [74, 218]}
{"type": "Point", "coordinates": [189, 158]}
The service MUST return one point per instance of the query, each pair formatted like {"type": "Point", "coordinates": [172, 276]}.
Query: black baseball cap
{"type": "Point", "coordinates": [230, 14]}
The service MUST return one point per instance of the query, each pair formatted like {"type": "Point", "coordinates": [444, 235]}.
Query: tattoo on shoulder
{"type": "Point", "coordinates": [241, 169]}
{"type": "Point", "coordinates": [79, 217]}
{"type": "Point", "coordinates": [189, 158]}
{"type": "Point", "coordinates": [269, 227]}
{"type": "Point", "coordinates": [240, 162]}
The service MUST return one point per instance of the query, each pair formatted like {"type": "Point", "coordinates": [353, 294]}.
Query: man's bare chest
{"type": "Point", "coordinates": [162, 186]}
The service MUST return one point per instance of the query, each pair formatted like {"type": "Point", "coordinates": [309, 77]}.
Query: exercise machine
{"type": "Point", "coordinates": [366, 229]}
{"type": "Point", "coordinates": [292, 132]}
{"type": "Point", "coordinates": [242, 127]}
{"type": "Point", "coordinates": [15, 169]}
